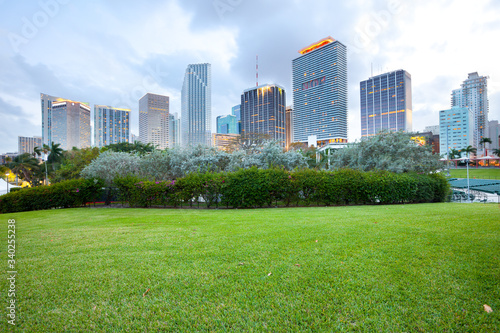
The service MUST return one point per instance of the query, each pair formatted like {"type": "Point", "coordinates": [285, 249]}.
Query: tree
{"type": "Point", "coordinates": [73, 162]}
{"type": "Point", "coordinates": [454, 153]}
{"type": "Point", "coordinates": [483, 142]}
{"type": "Point", "coordinates": [468, 150]}
{"type": "Point", "coordinates": [126, 147]}
{"type": "Point", "coordinates": [55, 153]}
{"type": "Point", "coordinates": [248, 142]}
{"type": "Point", "coordinates": [496, 152]}
{"type": "Point", "coordinates": [392, 151]}
{"type": "Point", "coordinates": [24, 166]}
{"type": "Point", "coordinates": [37, 151]}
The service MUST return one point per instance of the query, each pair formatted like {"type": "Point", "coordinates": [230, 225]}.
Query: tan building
{"type": "Point", "coordinates": [223, 141]}
{"type": "Point", "coordinates": [154, 120]}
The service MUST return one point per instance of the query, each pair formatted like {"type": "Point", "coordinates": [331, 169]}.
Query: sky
{"type": "Point", "coordinates": [113, 52]}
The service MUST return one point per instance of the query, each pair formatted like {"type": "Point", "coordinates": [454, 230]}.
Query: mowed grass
{"type": "Point", "coordinates": [477, 173]}
{"type": "Point", "coordinates": [399, 268]}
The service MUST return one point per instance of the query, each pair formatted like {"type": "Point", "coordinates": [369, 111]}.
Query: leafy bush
{"type": "Point", "coordinates": [71, 193]}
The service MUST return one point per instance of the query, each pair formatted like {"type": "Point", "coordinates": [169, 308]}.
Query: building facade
{"type": "Point", "coordinates": [494, 134]}
{"type": "Point", "coordinates": [386, 103]}
{"type": "Point", "coordinates": [263, 112]}
{"type": "Point", "coordinates": [196, 109]}
{"type": "Point", "coordinates": [236, 111]}
{"type": "Point", "coordinates": [111, 125]}
{"type": "Point", "coordinates": [65, 122]}
{"type": "Point", "coordinates": [154, 120]}
{"type": "Point", "coordinates": [27, 144]}
{"type": "Point", "coordinates": [320, 93]}
{"type": "Point", "coordinates": [175, 126]}
{"type": "Point", "coordinates": [223, 141]}
{"type": "Point", "coordinates": [433, 129]}
{"type": "Point", "coordinates": [288, 126]}
{"type": "Point", "coordinates": [455, 129]}
{"type": "Point", "coordinates": [227, 124]}
{"type": "Point", "coordinates": [473, 94]}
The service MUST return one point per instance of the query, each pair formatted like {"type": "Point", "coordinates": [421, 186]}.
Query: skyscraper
{"type": "Point", "coordinates": [455, 129]}
{"type": "Point", "coordinates": [263, 112]}
{"type": "Point", "coordinates": [473, 94]}
{"type": "Point", "coordinates": [111, 125]}
{"type": "Point", "coordinates": [27, 144]}
{"type": "Point", "coordinates": [154, 120]}
{"type": "Point", "coordinates": [320, 93]}
{"type": "Point", "coordinates": [196, 105]}
{"type": "Point", "coordinates": [175, 126]}
{"type": "Point", "coordinates": [386, 103]}
{"type": "Point", "coordinates": [236, 111]}
{"type": "Point", "coordinates": [65, 122]}
{"type": "Point", "coordinates": [227, 124]}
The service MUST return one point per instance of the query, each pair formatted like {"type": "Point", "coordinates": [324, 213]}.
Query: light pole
{"type": "Point", "coordinates": [468, 187]}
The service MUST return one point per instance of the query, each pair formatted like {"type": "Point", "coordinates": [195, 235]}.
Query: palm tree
{"type": "Point", "coordinates": [37, 151]}
{"type": "Point", "coordinates": [496, 152]}
{"type": "Point", "coordinates": [483, 142]}
{"type": "Point", "coordinates": [55, 153]}
{"type": "Point", "coordinates": [24, 166]}
{"type": "Point", "coordinates": [454, 154]}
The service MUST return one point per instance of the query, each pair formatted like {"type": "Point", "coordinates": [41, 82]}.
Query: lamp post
{"type": "Point", "coordinates": [468, 187]}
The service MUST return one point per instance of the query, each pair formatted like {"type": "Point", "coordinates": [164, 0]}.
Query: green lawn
{"type": "Point", "coordinates": [477, 173]}
{"type": "Point", "coordinates": [400, 268]}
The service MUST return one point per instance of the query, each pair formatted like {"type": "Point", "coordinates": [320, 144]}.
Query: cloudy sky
{"type": "Point", "coordinates": [113, 52]}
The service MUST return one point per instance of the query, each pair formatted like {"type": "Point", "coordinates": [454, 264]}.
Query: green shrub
{"type": "Point", "coordinates": [71, 193]}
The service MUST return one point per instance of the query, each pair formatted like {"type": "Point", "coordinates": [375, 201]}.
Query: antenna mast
{"type": "Point", "coordinates": [257, 69]}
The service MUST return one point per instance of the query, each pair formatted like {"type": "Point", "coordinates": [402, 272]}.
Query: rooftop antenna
{"type": "Point", "coordinates": [257, 69]}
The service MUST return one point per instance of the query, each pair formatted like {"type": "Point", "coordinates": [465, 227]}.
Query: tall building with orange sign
{"type": "Point", "coordinates": [386, 103]}
{"type": "Point", "coordinates": [320, 93]}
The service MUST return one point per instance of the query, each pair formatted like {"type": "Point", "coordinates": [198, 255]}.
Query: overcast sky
{"type": "Point", "coordinates": [113, 52]}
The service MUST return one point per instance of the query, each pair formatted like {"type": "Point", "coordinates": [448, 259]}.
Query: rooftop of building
{"type": "Point", "coordinates": [264, 86]}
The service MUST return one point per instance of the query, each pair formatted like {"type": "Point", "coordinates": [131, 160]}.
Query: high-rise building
{"type": "Point", "coordinates": [263, 112]}
{"type": "Point", "coordinates": [320, 93]}
{"type": "Point", "coordinates": [455, 129]}
{"type": "Point", "coordinates": [434, 129]}
{"type": "Point", "coordinates": [223, 141]}
{"type": "Point", "coordinates": [154, 120]}
{"type": "Point", "coordinates": [27, 144]}
{"type": "Point", "coordinates": [288, 126]}
{"type": "Point", "coordinates": [111, 125]}
{"type": "Point", "coordinates": [236, 111]}
{"type": "Point", "coordinates": [494, 134]}
{"type": "Point", "coordinates": [386, 103]}
{"type": "Point", "coordinates": [65, 122]}
{"type": "Point", "coordinates": [473, 94]}
{"type": "Point", "coordinates": [196, 105]}
{"type": "Point", "coordinates": [175, 126]}
{"type": "Point", "coordinates": [227, 124]}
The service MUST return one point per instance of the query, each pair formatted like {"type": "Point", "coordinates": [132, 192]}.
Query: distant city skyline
{"type": "Point", "coordinates": [128, 50]}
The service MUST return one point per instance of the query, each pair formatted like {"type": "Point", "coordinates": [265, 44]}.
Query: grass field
{"type": "Point", "coordinates": [400, 268]}
{"type": "Point", "coordinates": [477, 173]}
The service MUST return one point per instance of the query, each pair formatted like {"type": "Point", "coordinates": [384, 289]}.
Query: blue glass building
{"type": "Point", "coordinates": [320, 93]}
{"type": "Point", "coordinates": [196, 109]}
{"type": "Point", "coordinates": [386, 103]}
{"type": "Point", "coordinates": [263, 112]}
{"type": "Point", "coordinates": [236, 111]}
{"type": "Point", "coordinates": [111, 125]}
{"type": "Point", "coordinates": [227, 124]}
{"type": "Point", "coordinates": [456, 129]}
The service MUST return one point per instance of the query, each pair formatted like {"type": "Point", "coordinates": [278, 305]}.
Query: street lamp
{"type": "Point", "coordinates": [468, 187]}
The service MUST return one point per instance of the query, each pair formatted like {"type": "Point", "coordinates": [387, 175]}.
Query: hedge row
{"type": "Point", "coordinates": [246, 188]}
{"type": "Point", "coordinates": [72, 193]}
{"type": "Point", "coordinates": [254, 187]}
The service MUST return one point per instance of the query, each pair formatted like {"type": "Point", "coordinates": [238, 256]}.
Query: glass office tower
{"type": "Point", "coordinates": [386, 103]}
{"type": "Point", "coordinates": [263, 112]}
{"type": "Point", "coordinates": [111, 125]}
{"type": "Point", "coordinates": [196, 108]}
{"type": "Point", "coordinates": [320, 93]}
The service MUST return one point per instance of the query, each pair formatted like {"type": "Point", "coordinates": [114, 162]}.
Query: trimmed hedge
{"type": "Point", "coordinates": [253, 188]}
{"type": "Point", "coordinates": [71, 193]}
{"type": "Point", "coordinates": [245, 188]}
